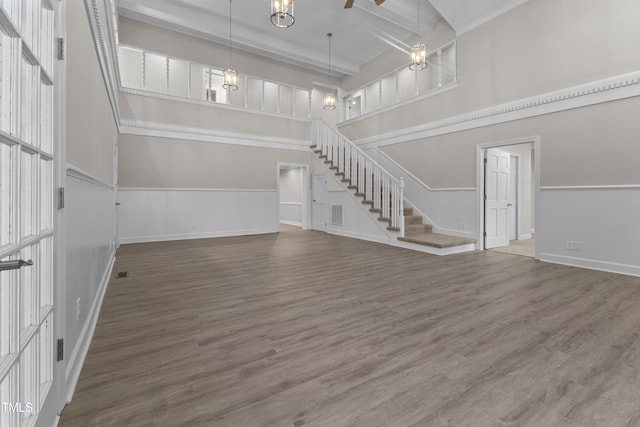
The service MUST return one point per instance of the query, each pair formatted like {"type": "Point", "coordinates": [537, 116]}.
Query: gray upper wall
{"type": "Point", "coordinates": [538, 47]}
{"type": "Point", "coordinates": [91, 126]}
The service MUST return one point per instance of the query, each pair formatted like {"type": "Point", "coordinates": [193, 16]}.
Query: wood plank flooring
{"type": "Point", "coordinates": [302, 328]}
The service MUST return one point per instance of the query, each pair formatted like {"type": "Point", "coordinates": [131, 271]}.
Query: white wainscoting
{"type": "Point", "coordinates": [449, 210]}
{"type": "Point", "coordinates": [159, 214]}
{"type": "Point", "coordinates": [358, 221]}
{"type": "Point", "coordinates": [597, 227]}
{"type": "Point", "coordinates": [89, 232]}
{"type": "Point", "coordinates": [291, 213]}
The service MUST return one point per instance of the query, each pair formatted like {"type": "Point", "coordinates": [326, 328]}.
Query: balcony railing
{"type": "Point", "coordinates": [402, 84]}
{"type": "Point", "coordinates": [155, 72]}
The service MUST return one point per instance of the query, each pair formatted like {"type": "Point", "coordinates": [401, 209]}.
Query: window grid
{"type": "Point", "coordinates": [27, 60]}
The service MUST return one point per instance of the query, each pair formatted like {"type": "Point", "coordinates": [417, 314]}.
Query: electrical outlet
{"type": "Point", "coordinates": [464, 226]}
{"type": "Point", "coordinates": [577, 246]}
{"type": "Point", "coordinates": [569, 245]}
{"type": "Point", "coordinates": [78, 309]}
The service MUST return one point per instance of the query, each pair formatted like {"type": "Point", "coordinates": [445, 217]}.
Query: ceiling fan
{"type": "Point", "coordinates": [349, 3]}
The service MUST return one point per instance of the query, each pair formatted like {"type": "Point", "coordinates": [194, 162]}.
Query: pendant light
{"type": "Point", "coordinates": [329, 98]}
{"type": "Point", "coordinates": [282, 13]}
{"type": "Point", "coordinates": [230, 75]}
{"type": "Point", "coordinates": [418, 51]}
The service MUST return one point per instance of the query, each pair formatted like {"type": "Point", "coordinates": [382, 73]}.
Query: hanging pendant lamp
{"type": "Point", "coordinates": [329, 98]}
{"type": "Point", "coordinates": [230, 75]}
{"type": "Point", "coordinates": [282, 13]}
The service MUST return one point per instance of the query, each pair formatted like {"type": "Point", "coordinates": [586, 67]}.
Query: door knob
{"type": "Point", "coordinates": [14, 265]}
{"type": "Point", "coordinates": [509, 204]}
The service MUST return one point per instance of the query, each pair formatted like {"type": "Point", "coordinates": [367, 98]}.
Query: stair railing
{"type": "Point", "coordinates": [373, 181]}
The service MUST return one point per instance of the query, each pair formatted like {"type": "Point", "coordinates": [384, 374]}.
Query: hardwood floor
{"type": "Point", "coordinates": [303, 328]}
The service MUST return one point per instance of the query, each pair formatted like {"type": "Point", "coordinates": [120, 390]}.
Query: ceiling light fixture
{"type": "Point", "coordinates": [329, 98]}
{"type": "Point", "coordinates": [282, 13]}
{"type": "Point", "coordinates": [230, 75]}
{"type": "Point", "coordinates": [418, 51]}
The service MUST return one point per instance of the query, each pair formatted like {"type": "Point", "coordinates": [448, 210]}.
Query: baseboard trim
{"type": "Point", "coordinates": [434, 251]}
{"type": "Point", "coordinates": [192, 236]}
{"type": "Point", "coordinates": [360, 236]}
{"type": "Point", "coordinates": [74, 367]}
{"type": "Point", "coordinates": [297, 224]}
{"type": "Point", "coordinates": [611, 267]}
{"type": "Point", "coordinates": [525, 237]}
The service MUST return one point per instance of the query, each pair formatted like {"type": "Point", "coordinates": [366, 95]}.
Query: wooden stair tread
{"type": "Point", "coordinates": [437, 240]}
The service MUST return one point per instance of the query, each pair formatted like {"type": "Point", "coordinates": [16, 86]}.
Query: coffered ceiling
{"type": "Point", "coordinates": [360, 33]}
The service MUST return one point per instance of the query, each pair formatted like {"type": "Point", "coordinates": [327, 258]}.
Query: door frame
{"type": "Point", "coordinates": [305, 209]}
{"type": "Point", "coordinates": [480, 174]}
{"type": "Point", "coordinates": [323, 228]}
{"type": "Point", "coordinates": [518, 192]}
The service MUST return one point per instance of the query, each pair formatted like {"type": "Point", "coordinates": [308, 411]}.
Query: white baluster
{"type": "Point", "coordinates": [401, 207]}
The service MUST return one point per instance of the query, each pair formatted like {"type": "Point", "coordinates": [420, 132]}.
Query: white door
{"type": "Point", "coordinates": [320, 197]}
{"type": "Point", "coordinates": [27, 205]}
{"type": "Point", "coordinates": [496, 198]}
{"type": "Point", "coordinates": [512, 203]}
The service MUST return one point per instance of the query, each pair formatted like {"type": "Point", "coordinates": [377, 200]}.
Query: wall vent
{"type": "Point", "coordinates": [337, 215]}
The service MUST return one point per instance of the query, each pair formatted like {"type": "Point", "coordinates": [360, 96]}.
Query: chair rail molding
{"type": "Point", "coordinates": [596, 92]}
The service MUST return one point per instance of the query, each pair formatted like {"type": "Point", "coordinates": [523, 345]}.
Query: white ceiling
{"type": "Point", "coordinates": [359, 34]}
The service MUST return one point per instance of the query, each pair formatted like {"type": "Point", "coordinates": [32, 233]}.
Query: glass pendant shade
{"type": "Point", "coordinates": [418, 57]}
{"type": "Point", "coordinates": [282, 13]}
{"type": "Point", "coordinates": [230, 79]}
{"type": "Point", "coordinates": [329, 101]}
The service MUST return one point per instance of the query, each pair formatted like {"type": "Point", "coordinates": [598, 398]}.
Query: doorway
{"type": "Point", "coordinates": [293, 184]}
{"type": "Point", "coordinates": [508, 190]}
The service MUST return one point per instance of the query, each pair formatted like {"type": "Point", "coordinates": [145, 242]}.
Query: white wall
{"type": "Point", "coordinates": [89, 213]}
{"type": "Point", "coordinates": [90, 249]}
{"type": "Point", "coordinates": [591, 227]}
{"type": "Point", "coordinates": [158, 214]}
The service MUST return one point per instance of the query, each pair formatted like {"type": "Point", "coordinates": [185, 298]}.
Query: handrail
{"type": "Point", "coordinates": [370, 180]}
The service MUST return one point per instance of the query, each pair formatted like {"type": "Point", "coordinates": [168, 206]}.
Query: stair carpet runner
{"type": "Point", "coordinates": [414, 230]}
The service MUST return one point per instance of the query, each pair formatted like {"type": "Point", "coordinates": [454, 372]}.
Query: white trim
{"type": "Point", "coordinates": [209, 104]}
{"type": "Point", "coordinates": [612, 267]}
{"type": "Point", "coordinates": [74, 366]}
{"type": "Point", "coordinates": [221, 190]}
{"type": "Point", "coordinates": [489, 17]}
{"type": "Point", "coordinates": [191, 236]}
{"type": "Point", "coordinates": [76, 172]}
{"type": "Point", "coordinates": [433, 250]}
{"type": "Point", "coordinates": [454, 232]}
{"type": "Point", "coordinates": [525, 237]}
{"type": "Point", "coordinates": [592, 187]}
{"type": "Point", "coordinates": [165, 130]}
{"type": "Point", "coordinates": [295, 223]}
{"type": "Point", "coordinates": [337, 190]}
{"type": "Point", "coordinates": [409, 101]}
{"type": "Point", "coordinates": [111, 83]}
{"type": "Point", "coordinates": [360, 236]}
{"type": "Point", "coordinates": [291, 203]}
{"type": "Point", "coordinates": [596, 92]}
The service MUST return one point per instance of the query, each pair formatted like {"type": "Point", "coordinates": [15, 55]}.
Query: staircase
{"type": "Point", "coordinates": [377, 188]}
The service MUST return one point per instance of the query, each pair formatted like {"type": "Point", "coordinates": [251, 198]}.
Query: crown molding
{"type": "Point", "coordinates": [596, 92]}
{"type": "Point", "coordinates": [97, 27]}
{"type": "Point", "coordinates": [166, 130]}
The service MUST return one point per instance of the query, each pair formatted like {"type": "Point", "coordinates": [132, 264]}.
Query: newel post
{"type": "Point", "coordinates": [401, 207]}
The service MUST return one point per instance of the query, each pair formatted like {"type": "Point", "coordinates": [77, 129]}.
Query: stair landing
{"type": "Point", "coordinates": [421, 234]}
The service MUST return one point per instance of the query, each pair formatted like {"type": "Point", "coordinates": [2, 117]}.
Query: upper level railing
{"type": "Point", "coordinates": [373, 182]}
{"type": "Point", "coordinates": [402, 84]}
{"type": "Point", "coordinates": [154, 72]}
